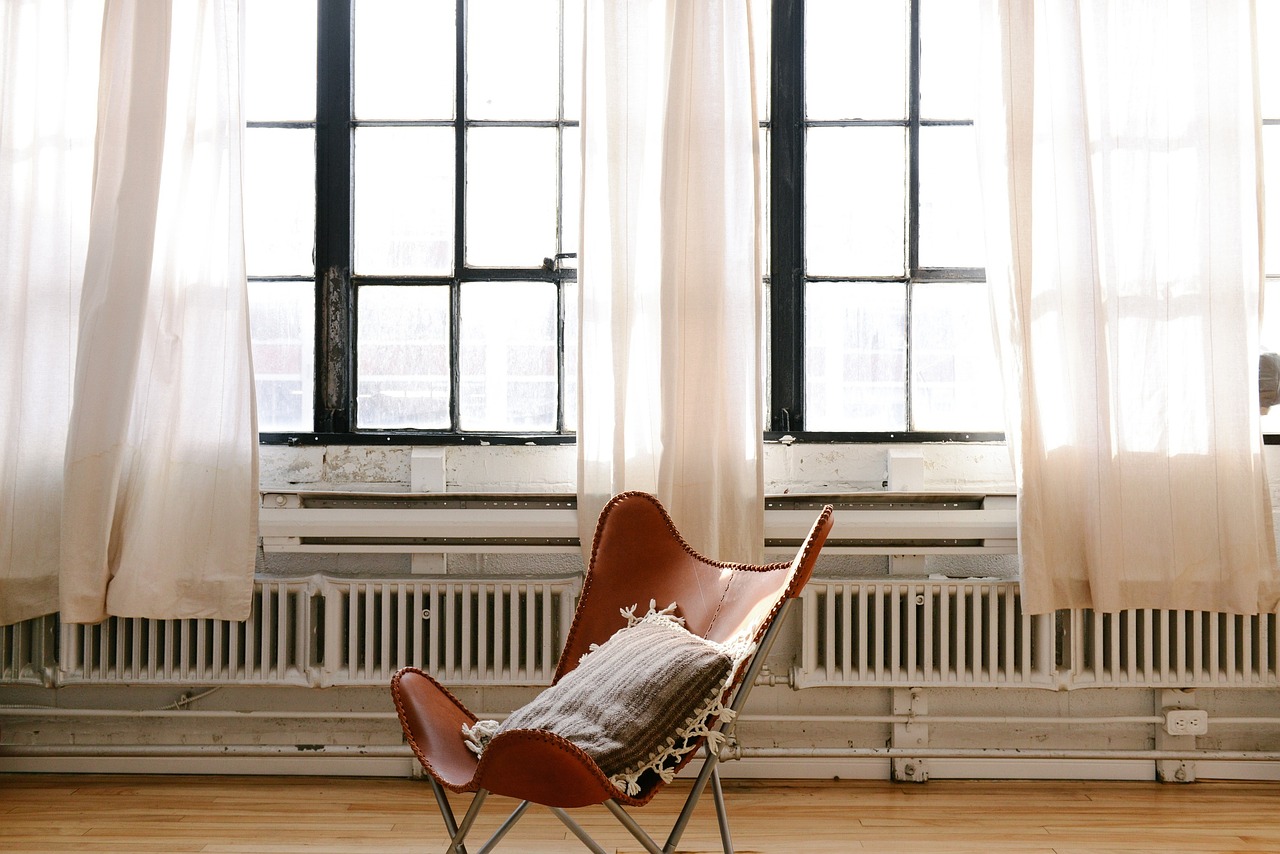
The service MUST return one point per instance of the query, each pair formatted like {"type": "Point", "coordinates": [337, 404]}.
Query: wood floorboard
{"type": "Point", "coordinates": [292, 815]}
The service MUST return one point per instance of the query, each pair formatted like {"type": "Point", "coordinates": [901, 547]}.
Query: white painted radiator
{"type": "Point", "coordinates": [317, 632]}
{"type": "Point", "coordinates": [922, 633]}
{"type": "Point", "coordinates": [941, 632]}
{"type": "Point", "coordinates": [1175, 649]}
{"type": "Point", "coordinates": [275, 646]}
{"type": "Point", "coordinates": [28, 650]}
{"type": "Point", "coordinates": [490, 632]}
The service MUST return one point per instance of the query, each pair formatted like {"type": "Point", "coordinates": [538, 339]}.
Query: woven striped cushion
{"type": "Point", "coordinates": [635, 702]}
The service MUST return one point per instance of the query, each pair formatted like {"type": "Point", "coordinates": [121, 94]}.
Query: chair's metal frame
{"type": "Point", "coordinates": [709, 773]}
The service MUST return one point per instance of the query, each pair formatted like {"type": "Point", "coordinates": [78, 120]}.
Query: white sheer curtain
{"type": "Point", "coordinates": [1121, 181]}
{"type": "Point", "coordinates": [129, 476]}
{"type": "Point", "coordinates": [670, 384]}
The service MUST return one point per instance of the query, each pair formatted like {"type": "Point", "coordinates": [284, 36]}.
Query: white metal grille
{"type": "Point", "coordinates": [1182, 649]}
{"type": "Point", "coordinates": [462, 632]}
{"type": "Point", "coordinates": [271, 647]}
{"type": "Point", "coordinates": [919, 633]}
{"type": "Point", "coordinates": [907, 633]}
{"type": "Point", "coordinates": [28, 651]}
{"type": "Point", "coordinates": [316, 632]}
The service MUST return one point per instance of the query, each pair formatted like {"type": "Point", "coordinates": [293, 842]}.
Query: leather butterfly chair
{"type": "Point", "coordinates": [637, 556]}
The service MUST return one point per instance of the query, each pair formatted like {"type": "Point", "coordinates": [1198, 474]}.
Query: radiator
{"type": "Point", "coordinates": [28, 651]}
{"type": "Point", "coordinates": [315, 632]}
{"type": "Point", "coordinates": [939, 632]}
{"type": "Point", "coordinates": [921, 633]}
{"type": "Point", "coordinates": [488, 632]}
{"type": "Point", "coordinates": [890, 633]}
{"type": "Point", "coordinates": [1178, 649]}
{"type": "Point", "coordinates": [273, 647]}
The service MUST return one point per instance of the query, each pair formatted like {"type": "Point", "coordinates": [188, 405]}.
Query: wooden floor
{"type": "Point", "coordinates": [266, 815]}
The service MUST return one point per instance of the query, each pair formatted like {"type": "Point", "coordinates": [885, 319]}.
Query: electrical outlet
{"type": "Point", "coordinates": [1186, 721]}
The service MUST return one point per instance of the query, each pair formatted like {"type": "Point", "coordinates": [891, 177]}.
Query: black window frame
{"type": "Point", "coordinates": [336, 287]}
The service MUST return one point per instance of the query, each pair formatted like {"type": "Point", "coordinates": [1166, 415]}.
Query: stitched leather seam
{"type": "Point", "coordinates": [408, 732]}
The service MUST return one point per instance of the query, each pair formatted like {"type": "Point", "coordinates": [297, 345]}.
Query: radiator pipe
{"type": "Point", "coordinates": [181, 714]}
{"type": "Point", "coordinates": [403, 751]}
{"type": "Point", "coordinates": [60, 712]}
{"type": "Point", "coordinates": [990, 753]}
{"type": "Point", "coordinates": [391, 751]}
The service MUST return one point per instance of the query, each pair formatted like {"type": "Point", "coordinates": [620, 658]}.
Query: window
{"type": "Point", "coordinates": [880, 325]}
{"type": "Point", "coordinates": [412, 215]}
{"type": "Point", "coordinates": [411, 204]}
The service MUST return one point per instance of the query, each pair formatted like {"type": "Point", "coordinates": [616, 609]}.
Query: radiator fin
{"type": "Point", "coordinates": [28, 651]}
{"type": "Point", "coordinates": [900, 633]}
{"type": "Point", "coordinates": [462, 632]}
{"type": "Point", "coordinates": [270, 647]}
{"type": "Point", "coordinates": [917, 633]}
{"type": "Point", "coordinates": [1182, 649]}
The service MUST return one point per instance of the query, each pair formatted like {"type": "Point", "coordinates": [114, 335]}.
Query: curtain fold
{"type": "Point", "coordinates": [670, 388]}
{"type": "Point", "coordinates": [1121, 176]}
{"type": "Point", "coordinates": [146, 487]}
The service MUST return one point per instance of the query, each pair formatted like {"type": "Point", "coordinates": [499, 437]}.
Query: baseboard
{"type": "Point", "coordinates": [1238, 771]}
{"type": "Point", "coordinates": [758, 768]}
{"type": "Point", "coordinates": [789, 768]}
{"type": "Point", "coordinates": [280, 766]}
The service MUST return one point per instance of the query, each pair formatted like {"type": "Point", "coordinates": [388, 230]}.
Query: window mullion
{"type": "Point", "coordinates": [459, 222]}
{"type": "Point", "coordinates": [786, 192]}
{"type": "Point", "coordinates": [913, 198]}
{"type": "Point", "coordinates": [335, 303]}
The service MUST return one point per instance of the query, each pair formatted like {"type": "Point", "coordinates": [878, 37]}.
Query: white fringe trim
{"type": "Point", "coordinates": [702, 724]}
{"type": "Point", "coordinates": [662, 762]}
{"type": "Point", "coordinates": [705, 721]}
{"type": "Point", "coordinates": [478, 735]}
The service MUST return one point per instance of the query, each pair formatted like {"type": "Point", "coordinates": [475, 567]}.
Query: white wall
{"type": "Point", "coordinates": [823, 732]}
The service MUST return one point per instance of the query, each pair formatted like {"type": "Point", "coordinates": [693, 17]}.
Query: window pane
{"type": "Point", "coordinates": [279, 201]}
{"type": "Point", "coordinates": [948, 59]}
{"type": "Point", "coordinates": [513, 59]}
{"type": "Point", "coordinates": [508, 356]}
{"type": "Point", "coordinates": [855, 201]}
{"type": "Point", "coordinates": [766, 218]}
{"type": "Point", "coordinates": [571, 189]}
{"type": "Point", "coordinates": [766, 354]}
{"type": "Point", "coordinates": [404, 59]}
{"type": "Point", "coordinates": [403, 200]}
{"type": "Point", "coordinates": [570, 356]}
{"type": "Point", "coordinates": [1271, 183]}
{"type": "Point", "coordinates": [955, 377]}
{"type": "Point", "coordinates": [511, 196]}
{"type": "Point", "coordinates": [1270, 341]}
{"type": "Point", "coordinates": [402, 375]}
{"type": "Point", "coordinates": [280, 61]}
{"type": "Point", "coordinates": [573, 21]}
{"type": "Point", "coordinates": [855, 59]}
{"type": "Point", "coordinates": [950, 204]}
{"type": "Point", "coordinates": [282, 325]}
{"type": "Point", "coordinates": [855, 356]}
{"type": "Point", "coordinates": [1268, 33]}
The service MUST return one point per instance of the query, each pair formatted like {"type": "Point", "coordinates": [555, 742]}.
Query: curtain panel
{"type": "Point", "coordinates": [129, 469]}
{"type": "Point", "coordinates": [1121, 170]}
{"type": "Point", "coordinates": [671, 388]}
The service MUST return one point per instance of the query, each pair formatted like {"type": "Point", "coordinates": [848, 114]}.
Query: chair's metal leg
{"type": "Point", "coordinates": [576, 830]}
{"type": "Point", "coordinates": [455, 844]}
{"type": "Point", "coordinates": [717, 793]}
{"type": "Point", "coordinates": [677, 830]}
{"type": "Point", "coordinates": [506, 826]}
{"type": "Point", "coordinates": [630, 824]}
{"type": "Point", "coordinates": [446, 812]}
